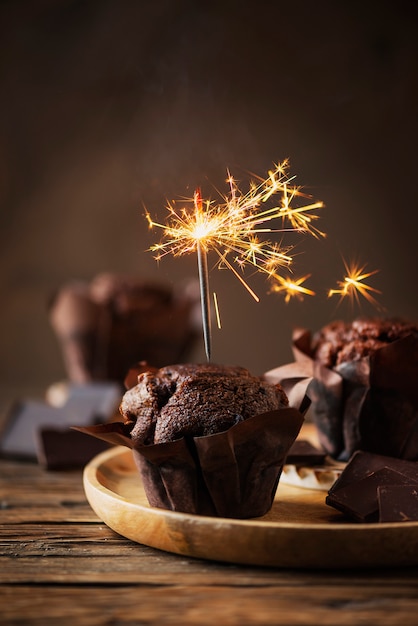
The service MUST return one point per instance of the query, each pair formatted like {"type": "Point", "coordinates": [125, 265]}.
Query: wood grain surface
{"type": "Point", "coordinates": [59, 564]}
{"type": "Point", "coordinates": [299, 531]}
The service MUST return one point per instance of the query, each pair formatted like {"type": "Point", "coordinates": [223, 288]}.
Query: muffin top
{"type": "Point", "coordinates": [195, 400]}
{"type": "Point", "coordinates": [340, 342]}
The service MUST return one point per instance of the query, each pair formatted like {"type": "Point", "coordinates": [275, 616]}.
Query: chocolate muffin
{"type": "Point", "coordinates": [195, 400]}
{"type": "Point", "coordinates": [364, 386]}
{"type": "Point", "coordinates": [105, 325]}
{"type": "Point", "coordinates": [340, 342]}
{"type": "Point", "coordinates": [207, 439]}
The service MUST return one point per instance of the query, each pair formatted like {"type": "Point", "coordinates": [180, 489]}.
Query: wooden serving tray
{"type": "Point", "coordinates": [300, 531]}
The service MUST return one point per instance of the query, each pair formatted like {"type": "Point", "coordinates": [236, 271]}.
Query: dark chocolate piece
{"type": "Point", "coordinates": [64, 448]}
{"type": "Point", "coordinates": [398, 503]}
{"type": "Point", "coordinates": [362, 464]}
{"type": "Point", "coordinates": [29, 423]}
{"type": "Point", "coordinates": [358, 500]}
{"type": "Point", "coordinates": [303, 452]}
{"type": "Point", "coordinates": [23, 421]}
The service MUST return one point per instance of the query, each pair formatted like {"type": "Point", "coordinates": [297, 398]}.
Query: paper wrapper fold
{"type": "Point", "coordinates": [229, 474]}
{"type": "Point", "coordinates": [370, 404]}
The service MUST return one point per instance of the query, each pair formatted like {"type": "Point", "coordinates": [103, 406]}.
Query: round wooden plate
{"type": "Point", "coordinates": [300, 531]}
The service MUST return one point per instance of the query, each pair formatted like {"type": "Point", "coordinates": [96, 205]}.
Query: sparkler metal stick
{"type": "Point", "coordinates": [202, 262]}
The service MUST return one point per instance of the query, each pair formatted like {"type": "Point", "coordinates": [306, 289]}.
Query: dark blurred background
{"type": "Point", "coordinates": [110, 105]}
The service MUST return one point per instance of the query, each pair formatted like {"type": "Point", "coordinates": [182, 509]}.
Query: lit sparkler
{"type": "Point", "coordinates": [233, 229]}
{"type": "Point", "coordinates": [353, 285]}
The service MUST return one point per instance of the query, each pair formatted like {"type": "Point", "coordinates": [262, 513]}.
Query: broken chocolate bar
{"type": "Point", "coordinates": [356, 491]}
{"type": "Point", "coordinates": [63, 448]}
{"type": "Point", "coordinates": [362, 464]}
{"type": "Point", "coordinates": [303, 452]}
{"type": "Point", "coordinates": [35, 429]}
{"type": "Point", "coordinates": [398, 503]}
{"type": "Point", "coordinates": [358, 500]}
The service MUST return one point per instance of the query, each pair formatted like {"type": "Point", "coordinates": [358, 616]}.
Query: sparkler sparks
{"type": "Point", "coordinates": [292, 288]}
{"type": "Point", "coordinates": [353, 285]}
{"type": "Point", "coordinates": [233, 229]}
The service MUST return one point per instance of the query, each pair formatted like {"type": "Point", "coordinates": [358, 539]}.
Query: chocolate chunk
{"type": "Point", "coordinates": [362, 464]}
{"type": "Point", "coordinates": [398, 503]}
{"type": "Point", "coordinates": [359, 499]}
{"type": "Point", "coordinates": [64, 448]}
{"type": "Point", "coordinates": [32, 425]}
{"type": "Point", "coordinates": [303, 452]}
{"type": "Point", "coordinates": [18, 439]}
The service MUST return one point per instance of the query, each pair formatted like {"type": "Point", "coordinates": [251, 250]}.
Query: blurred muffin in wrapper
{"type": "Point", "coordinates": [105, 326]}
{"type": "Point", "coordinates": [362, 383]}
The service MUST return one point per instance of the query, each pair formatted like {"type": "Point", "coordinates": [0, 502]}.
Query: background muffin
{"type": "Point", "coordinates": [106, 325]}
{"type": "Point", "coordinates": [364, 386]}
{"type": "Point", "coordinates": [340, 342]}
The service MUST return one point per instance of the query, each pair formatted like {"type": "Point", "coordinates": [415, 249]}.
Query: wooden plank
{"type": "Point", "coordinates": [148, 567]}
{"type": "Point", "coordinates": [62, 512]}
{"type": "Point", "coordinates": [93, 554]}
{"type": "Point", "coordinates": [60, 564]}
{"type": "Point", "coordinates": [203, 605]}
{"type": "Point", "coordinates": [20, 476]}
{"type": "Point", "coordinates": [30, 493]}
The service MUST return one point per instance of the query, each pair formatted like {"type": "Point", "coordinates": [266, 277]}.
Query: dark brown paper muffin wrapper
{"type": "Point", "coordinates": [370, 404]}
{"type": "Point", "coordinates": [229, 474]}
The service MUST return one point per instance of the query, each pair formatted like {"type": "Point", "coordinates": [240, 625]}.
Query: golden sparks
{"type": "Point", "coordinates": [353, 285]}
{"type": "Point", "coordinates": [217, 312]}
{"type": "Point", "coordinates": [292, 288]}
{"type": "Point", "coordinates": [236, 227]}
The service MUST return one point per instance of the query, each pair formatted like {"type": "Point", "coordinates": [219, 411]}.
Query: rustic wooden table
{"type": "Point", "coordinates": [59, 564]}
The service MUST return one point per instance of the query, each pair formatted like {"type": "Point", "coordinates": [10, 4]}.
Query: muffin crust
{"type": "Point", "coordinates": [195, 400]}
